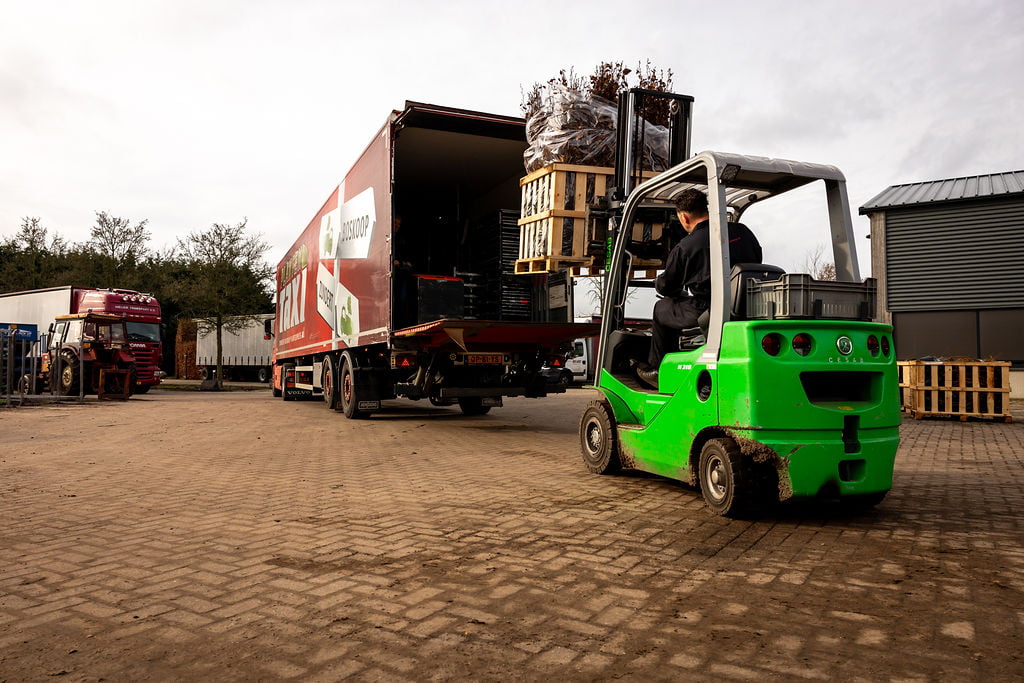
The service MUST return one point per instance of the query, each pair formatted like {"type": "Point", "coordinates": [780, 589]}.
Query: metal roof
{"type": "Point", "coordinates": [949, 190]}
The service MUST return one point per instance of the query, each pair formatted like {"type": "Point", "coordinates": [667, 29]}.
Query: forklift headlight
{"type": "Point", "coordinates": [886, 348]}
{"type": "Point", "coordinates": [772, 344]}
{"type": "Point", "coordinates": [802, 344]}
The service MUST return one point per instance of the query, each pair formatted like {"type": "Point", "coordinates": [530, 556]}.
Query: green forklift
{"type": "Point", "coordinates": [787, 390]}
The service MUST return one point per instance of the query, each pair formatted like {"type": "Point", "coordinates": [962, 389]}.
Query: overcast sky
{"type": "Point", "coordinates": [193, 112]}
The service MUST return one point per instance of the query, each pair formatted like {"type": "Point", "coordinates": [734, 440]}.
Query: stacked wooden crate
{"type": "Point", "coordinates": [554, 233]}
{"type": "Point", "coordinates": [956, 388]}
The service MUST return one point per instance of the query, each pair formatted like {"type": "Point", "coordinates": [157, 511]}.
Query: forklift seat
{"type": "Point", "coordinates": [741, 274]}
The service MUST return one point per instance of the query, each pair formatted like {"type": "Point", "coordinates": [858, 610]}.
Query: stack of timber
{"type": "Point", "coordinates": [956, 388]}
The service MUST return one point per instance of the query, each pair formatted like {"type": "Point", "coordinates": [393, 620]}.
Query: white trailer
{"type": "Point", "coordinates": [245, 354]}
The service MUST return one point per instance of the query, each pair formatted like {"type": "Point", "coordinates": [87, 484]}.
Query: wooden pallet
{"type": "Point", "coordinates": [536, 266]}
{"type": "Point", "coordinates": [956, 388]}
{"type": "Point", "coordinates": [554, 211]}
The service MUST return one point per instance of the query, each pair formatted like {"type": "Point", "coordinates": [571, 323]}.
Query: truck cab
{"type": "Point", "coordinates": [787, 390]}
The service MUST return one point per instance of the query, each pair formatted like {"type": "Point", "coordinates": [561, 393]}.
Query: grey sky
{"type": "Point", "coordinates": [193, 112]}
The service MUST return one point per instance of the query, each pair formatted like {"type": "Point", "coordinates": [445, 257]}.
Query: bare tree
{"type": "Point", "coordinates": [817, 266]}
{"type": "Point", "coordinates": [226, 280]}
{"type": "Point", "coordinates": [117, 239]}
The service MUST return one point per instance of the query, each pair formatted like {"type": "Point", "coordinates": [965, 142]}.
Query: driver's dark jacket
{"type": "Point", "coordinates": [688, 266]}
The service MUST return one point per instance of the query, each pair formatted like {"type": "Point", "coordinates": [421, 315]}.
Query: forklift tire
{"type": "Point", "coordinates": [728, 481]}
{"type": "Point", "coordinates": [348, 396]}
{"type": "Point", "coordinates": [472, 405]}
{"type": "Point", "coordinates": [599, 442]}
{"type": "Point", "coordinates": [329, 382]}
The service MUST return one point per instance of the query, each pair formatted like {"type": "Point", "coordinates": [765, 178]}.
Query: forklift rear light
{"type": "Point", "coordinates": [886, 348]}
{"type": "Point", "coordinates": [873, 345]}
{"type": "Point", "coordinates": [802, 344]}
{"type": "Point", "coordinates": [772, 344]}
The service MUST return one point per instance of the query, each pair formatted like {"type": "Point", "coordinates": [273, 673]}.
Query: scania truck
{"type": "Point", "coordinates": [141, 312]}
{"type": "Point", "coordinates": [403, 284]}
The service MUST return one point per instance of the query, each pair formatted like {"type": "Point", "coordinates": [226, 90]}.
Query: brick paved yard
{"type": "Point", "coordinates": [235, 537]}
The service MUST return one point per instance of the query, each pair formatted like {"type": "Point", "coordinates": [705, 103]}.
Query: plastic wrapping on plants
{"type": "Point", "coordinates": [573, 128]}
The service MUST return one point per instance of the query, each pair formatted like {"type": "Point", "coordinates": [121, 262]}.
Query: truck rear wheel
{"type": "Point", "coordinates": [348, 395]}
{"type": "Point", "coordinates": [599, 442]}
{"type": "Point", "coordinates": [329, 382]}
{"type": "Point", "coordinates": [728, 481]}
{"type": "Point", "coordinates": [473, 405]}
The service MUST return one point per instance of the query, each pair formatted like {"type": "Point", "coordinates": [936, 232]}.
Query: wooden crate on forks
{"type": "Point", "coordinates": [553, 230]}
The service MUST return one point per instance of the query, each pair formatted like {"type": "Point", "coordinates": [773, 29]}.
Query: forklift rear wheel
{"type": "Point", "coordinates": [348, 396]}
{"type": "Point", "coordinates": [329, 383]}
{"type": "Point", "coordinates": [727, 479]}
{"type": "Point", "coordinates": [598, 440]}
{"type": "Point", "coordinates": [472, 405]}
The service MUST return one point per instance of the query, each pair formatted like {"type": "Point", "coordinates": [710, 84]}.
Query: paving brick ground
{"type": "Point", "coordinates": [236, 537]}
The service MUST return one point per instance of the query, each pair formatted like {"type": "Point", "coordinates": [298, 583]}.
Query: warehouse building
{"type": "Point", "coordinates": [949, 259]}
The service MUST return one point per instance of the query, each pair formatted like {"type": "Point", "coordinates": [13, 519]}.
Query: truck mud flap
{"type": "Point", "coordinates": [374, 385]}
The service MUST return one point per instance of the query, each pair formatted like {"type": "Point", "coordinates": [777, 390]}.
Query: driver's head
{"type": "Point", "coordinates": [691, 208]}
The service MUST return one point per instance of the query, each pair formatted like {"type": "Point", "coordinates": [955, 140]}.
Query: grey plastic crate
{"type": "Point", "coordinates": [795, 296]}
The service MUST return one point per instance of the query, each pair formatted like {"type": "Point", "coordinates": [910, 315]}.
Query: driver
{"type": "Point", "coordinates": [688, 268]}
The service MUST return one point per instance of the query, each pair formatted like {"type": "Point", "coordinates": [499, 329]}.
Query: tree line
{"type": "Point", "coordinates": [209, 275]}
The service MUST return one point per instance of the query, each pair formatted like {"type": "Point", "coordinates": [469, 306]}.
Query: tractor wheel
{"type": "Point", "coordinates": [28, 385]}
{"type": "Point", "coordinates": [348, 395]}
{"type": "Point", "coordinates": [329, 381]}
{"type": "Point", "coordinates": [66, 383]}
{"type": "Point", "coordinates": [599, 442]}
{"type": "Point", "coordinates": [473, 405]}
{"type": "Point", "coordinates": [728, 481]}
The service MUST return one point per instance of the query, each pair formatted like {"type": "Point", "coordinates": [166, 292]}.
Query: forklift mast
{"type": "Point", "coordinates": [631, 135]}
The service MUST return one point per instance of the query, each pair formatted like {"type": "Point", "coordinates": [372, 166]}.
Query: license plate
{"type": "Point", "coordinates": [485, 359]}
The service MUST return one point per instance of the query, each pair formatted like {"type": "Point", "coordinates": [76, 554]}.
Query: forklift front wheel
{"type": "Point", "coordinates": [727, 480]}
{"type": "Point", "coordinates": [598, 440]}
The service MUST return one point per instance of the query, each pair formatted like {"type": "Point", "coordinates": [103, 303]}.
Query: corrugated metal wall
{"type": "Point", "coordinates": [955, 256]}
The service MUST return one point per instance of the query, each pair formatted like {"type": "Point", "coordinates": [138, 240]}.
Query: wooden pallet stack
{"type": "Point", "coordinates": [553, 229]}
{"type": "Point", "coordinates": [956, 388]}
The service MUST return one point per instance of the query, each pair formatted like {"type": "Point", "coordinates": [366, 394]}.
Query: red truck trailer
{"type": "Point", "coordinates": [403, 283]}
{"type": "Point", "coordinates": [141, 312]}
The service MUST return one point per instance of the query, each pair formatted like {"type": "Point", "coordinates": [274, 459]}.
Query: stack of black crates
{"type": "Point", "coordinates": [493, 249]}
